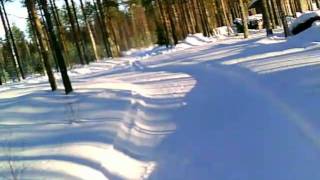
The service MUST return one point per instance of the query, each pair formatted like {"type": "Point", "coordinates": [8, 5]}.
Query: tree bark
{"type": "Point", "coordinates": [244, 19]}
{"type": "Point", "coordinates": [35, 21]}
{"type": "Point", "coordinates": [57, 48]}
{"type": "Point", "coordinates": [74, 32]}
{"type": "Point", "coordinates": [93, 41]}
{"type": "Point", "coordinates": [284, 20]}
{"type": "Point", "coordinates": [266, 18]}
{"type": "Point", "coordinates": [101, 20]}
{"type": "Point", "coordinates": [78, 31]}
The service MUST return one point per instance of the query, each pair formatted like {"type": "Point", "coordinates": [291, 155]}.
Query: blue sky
{"type": "Point", "coordinates": [16, 15]}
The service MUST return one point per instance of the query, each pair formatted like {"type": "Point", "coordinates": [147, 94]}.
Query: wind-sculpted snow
{"type": "Point", "coordinates": [108, 128]}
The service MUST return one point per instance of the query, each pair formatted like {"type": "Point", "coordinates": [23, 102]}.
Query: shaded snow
{"type": "Point", "coordinates": [302, 18]}
{"type": "Point", "coordinates": [307, 36]}
{"type": "Point", "coordinates": [219, 109]}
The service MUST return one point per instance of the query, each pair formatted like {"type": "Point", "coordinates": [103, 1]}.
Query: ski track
{"type": "Point", "coordinates": [231, 109]}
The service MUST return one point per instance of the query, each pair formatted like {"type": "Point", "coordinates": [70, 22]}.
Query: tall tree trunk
{"type": "Point", "coordinates": [195, 16]}
{"type": "Point", "coordinates": [183, 23]}
{"type": "Point", "coordinates": [60, 29]}
{"type": "Point", "coordinates": [164, 22]}
{"type": "Point", "coordinates": [225, 15]}
{"type": "Point", "coordinates": [284, 20]}
{"type": "Point", "coordinates": [172, 24]}
{"type": "Point", "coordinates": [272, 15]}
{"type": "Point", "coordinates": [103, 26]}
{"type": "Point", "coordinates": [277, 12]}
{"type": "Point", "coordinates": [36, 24]}
{"type": "Point", "coordinates": [93, 41]}
{"type": "Point", "coordinates": [244, 19]}
{"type": "Point", "coordinates": [74, 32]}
{"type": "Point", "coordinates": [57, 48]}
{"type": "Point", "coordinates": [35, 40]}
{"type": "Point", "coordinates": [266, 18]}
{"type": "Point", "coordinates": [115, 40]}
{"type": "Point", "coordinates": [203, 17]}
{"type": "Point", "coordinates": [78, 31]}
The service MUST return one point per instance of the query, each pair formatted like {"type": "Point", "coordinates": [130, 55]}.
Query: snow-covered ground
{"type": "Point", "coordinates": [218, 109]}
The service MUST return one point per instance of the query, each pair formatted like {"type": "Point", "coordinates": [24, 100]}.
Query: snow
{"type": "Point", "coordinates": [190, 41]}
{"type": "Point", "coordinates": [302, 18]}
{"type": "Point", "coordinates": [309, 35]}
{"type": "Point", "coordinates": [253, 18]}
{"type": "Point", "coordinates": [219, 108]}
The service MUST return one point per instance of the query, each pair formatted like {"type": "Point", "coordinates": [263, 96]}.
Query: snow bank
{"type": "Point", "coordinates": [223, 31]}
{"type": "Point", "coordinates": [307, 36]}
{"type": "Point", "coordinates": [194, 40]}
{"type": "Point", "coordinates": [302, 18]}
{"type": "Point", "coordinates": [256, 17]}
{"type": "Point", "coordinates": [304, 21]}
{"type": "Point", "coordinates": [191, 41]}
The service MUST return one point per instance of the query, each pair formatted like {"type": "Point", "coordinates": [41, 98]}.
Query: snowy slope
{"type": "Point", "coordinates": [227, 109]}
{"type": "Point", "coordinates": [303, 18]}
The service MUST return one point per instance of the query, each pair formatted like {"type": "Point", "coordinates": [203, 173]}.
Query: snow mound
{"type": "Point", "coordinates": [145, 52]}
{"type": "Point", "coordinates": [251, 19]}
{"type": "Point", "coordinates": [304, 21]}
{"type": "Point", "coordinates": [309, 35]}
{"type": "Point", "coordinates": [223, 31]}
{"type": "Point", "coordinates": [194, 40]}
{"type": "Point", "coordinates": [191, 41]}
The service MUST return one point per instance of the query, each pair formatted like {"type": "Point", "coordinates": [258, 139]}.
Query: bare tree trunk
{"type": "Point", "coordinates": [266, 18]}
{"type": "Point", "coordinates": [244, 19]}
{"type": "Point", "coordinates": [57, 48]}
{"type": "Point", "coordinates": [272, 15]}
{"type": "Point", "coordinates": [225, 15]}
{"type": "Point", "coordinates": [104, 29]}
{"type": "Point", "coordinates": [74, 32]}
{"type": "Point", "coordinates": [59, 27]}
{"type": "Point", "coordinates": [172, 24]}
{"type": "Point", "coordinates": [93, 41]}
{"type": "Point", "coordinates": [164, 21]}
{"type": "Point", "coordinates": [195, 16]}
{"type": "Point", "coordinates": [35, 21]}
{"type": "Point", "coordinates": [78, 31]}
{"type": "Point", "coordinates": [277, 12]}
{"type": "Point", "coordinates": [284, 20]}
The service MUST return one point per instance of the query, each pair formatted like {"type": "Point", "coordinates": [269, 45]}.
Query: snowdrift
{"type": "Point", "coordinates": [194, 40]}
{"type": "Point", "coordinates": [304, 22]}
{"type": "Point", "coordinates": [307, 36]}
{"type": "Point", "coordinates": [191, 41]}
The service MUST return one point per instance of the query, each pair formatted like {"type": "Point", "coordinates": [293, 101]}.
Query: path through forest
{"type": "Point", "coordinates": [231, 109]}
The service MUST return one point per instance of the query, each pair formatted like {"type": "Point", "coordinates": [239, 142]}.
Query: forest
{"type": "Point", "coordinates": [159, 89]}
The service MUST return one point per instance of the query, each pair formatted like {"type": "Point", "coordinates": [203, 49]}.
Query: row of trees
{"type": "Point", "coordinates": [82, 31]}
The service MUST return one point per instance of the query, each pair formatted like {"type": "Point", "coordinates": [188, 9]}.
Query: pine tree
{"type": "Point", "coordinates": [57, 48]}
{"type": "Point", "coordinates": [35, 21]}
